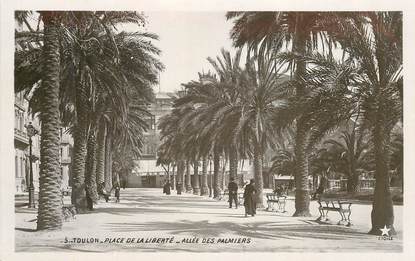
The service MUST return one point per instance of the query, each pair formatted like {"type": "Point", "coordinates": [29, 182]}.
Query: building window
{"type": "Point", "coordinates": [22, 170]}
{"type": "Point", "coordinates": [151, 122]}
{"type": "Point", "coordinates": [21, 122]}
{"type": "Point", "coordinates": [16, 166]}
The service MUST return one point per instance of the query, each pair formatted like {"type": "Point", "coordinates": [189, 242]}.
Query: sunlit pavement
{"type": "Point", "coordinates": [147, 220]}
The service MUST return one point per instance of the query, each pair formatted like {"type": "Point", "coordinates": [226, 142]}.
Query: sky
{"type": "Point", "coordinates": [186, 40]}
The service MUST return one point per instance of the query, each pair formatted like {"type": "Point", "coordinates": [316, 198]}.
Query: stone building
{"type": "Point", "coordinates": [21, 148]}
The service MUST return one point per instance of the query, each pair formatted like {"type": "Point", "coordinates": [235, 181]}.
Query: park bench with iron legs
{"type": "Point", "coordinates": [343, 207]}
{"type": "Point", "coordinates": [273, 199]}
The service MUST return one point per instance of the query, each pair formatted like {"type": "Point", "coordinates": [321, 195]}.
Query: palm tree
{"type": "Point", "coordinates": [351, 155]}
{"type": "Point", "coordinates": [172, 137]}
{"type": "Point", "coordinates": [262, 86]}
{"type": "Point", "coordinates": [50, 204]}
{"type": "Point", "coordinates": [283, 163]}
{"type": "Point", "coordinates": [88, 63]}
{"type": "Point", "coordinates": [36, 45]}
{"type": "Point", "coordinates": [374, 41]}
{"type": "Point", "coordinates": [228, 71]}
{"type": "Point", "coordinates": [302, 29]}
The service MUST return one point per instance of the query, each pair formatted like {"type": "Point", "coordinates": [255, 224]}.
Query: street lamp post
{"type": "Point", "coordinates": [210, 176]}
{"type": "Point", "coordinates": [31, 131]}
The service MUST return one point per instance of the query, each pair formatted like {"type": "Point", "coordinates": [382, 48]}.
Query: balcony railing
{"type": "Point", "coordinates": [21, 136]}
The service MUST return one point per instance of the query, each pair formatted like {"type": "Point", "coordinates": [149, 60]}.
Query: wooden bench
{"type": "Point", "coordinates": [273, 199]}
{"type": "Point", "coordinates": [343, 207]}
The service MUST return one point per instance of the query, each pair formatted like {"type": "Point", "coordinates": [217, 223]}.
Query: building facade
{"type": "Point", "coordinates": [21, 146]}
{"type": "Point", "coordinates": [146, 173]}
{"type": "Point", "coordinates": [22, 117]}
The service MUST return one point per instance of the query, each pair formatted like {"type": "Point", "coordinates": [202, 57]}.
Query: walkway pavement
{"type": "Point", "coordinates": [192, 223]}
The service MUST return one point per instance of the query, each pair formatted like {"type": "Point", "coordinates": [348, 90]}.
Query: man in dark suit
{"type": "Point", "coordinates": [233, 193]}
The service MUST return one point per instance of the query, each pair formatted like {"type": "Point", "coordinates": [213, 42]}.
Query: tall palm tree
{"type": "Point", "coordinates": [139, 66]}
{"type": "Point", "coordinates": [200, 95]}
{"type": "Point", "coordinates": [302, 30]}
{"type": "Point", "coordinates": [228, 71]}
{"type": "Point", "coordinates": [262, 85]}
{"type": "Point", "coordinates": [89, 68]}
{"type": "Point", "coordinates": [38, 60]}
{"type": "Point", "coordinates": [374, 40]}
{"type": "Point", "coordinates": [173, 137]}
{"type": "Point", "coordinates": [50, 204]}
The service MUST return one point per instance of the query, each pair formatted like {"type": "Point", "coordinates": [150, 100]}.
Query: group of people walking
{"type": "Point", "coordinates": [249, 196]}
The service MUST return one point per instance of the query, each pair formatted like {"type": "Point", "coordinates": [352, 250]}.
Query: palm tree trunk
{"type": "Point", "coordinates": [80, 146]}
{"type": "Point", "coordinates": [174, 177]}
{"type": "Point", "coordinates": [108, 162]}
{"type": "Point", "coordinates": [90, 171]}
{"type": "Point", "coordinates": [233, 162]}
{"type": "Point", "coordinates": [302, 197]}
{"type": "Point", "coordinates": [196, 186]}
{"type": "Point", "coordinates": [188, 178]}
{"type": "Point", "coordinates": [205, 188]}
{"type": "Point", "coordinates": [102, 133]}
{"type": "Point", "coordinates": [50, 201]}
{"type": "Point", "coordinates": [382, 208]}
{"type": "Point", "coordinates": [180, 173]}
{"type": "Point", "coordinates": [223, 173]}
{"type": "Point", "coordinates": [259, 183]}
{"type": "Point", "coordinates": [216, 176]}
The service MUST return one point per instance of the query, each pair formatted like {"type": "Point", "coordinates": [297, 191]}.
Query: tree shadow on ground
{"type": "Point", "coordinates": [260, 230]}
{"type": "Point", "coordinates": [141, 211]}
{"type": "Point", "coordinates": [26, 210]}
{"type": "Point", "coordinates": [25, 229]}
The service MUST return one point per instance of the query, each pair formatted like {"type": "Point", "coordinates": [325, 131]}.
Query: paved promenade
{"type": "Point", "coordinates": [147, 220]}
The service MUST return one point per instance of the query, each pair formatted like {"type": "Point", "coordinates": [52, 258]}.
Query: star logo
{"type": "Point", "coordinates": [385, 231]}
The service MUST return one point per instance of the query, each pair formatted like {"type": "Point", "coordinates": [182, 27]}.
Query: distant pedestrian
{"type": "Point", "coordinates": [321, 188]}
{"type": "Point", "coordinates": [179, 187]}
{"type": "Point", "coordinates": [249, 199]}
{"type": "Point", "coordinates": [233, 193]}
{"type": "Point", "coordinates": [103, 192]}
{"type": "Point", "coordinates": [117, 193]}
{"type": "Point", "coordinates": [166, 188]}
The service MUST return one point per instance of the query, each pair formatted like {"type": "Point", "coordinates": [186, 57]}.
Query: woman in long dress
{"type": "Point", "coordinates": [249, 199]}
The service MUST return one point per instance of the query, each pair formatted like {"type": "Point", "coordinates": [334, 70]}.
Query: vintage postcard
{"type": "Point", "coordinates": [155, 128]}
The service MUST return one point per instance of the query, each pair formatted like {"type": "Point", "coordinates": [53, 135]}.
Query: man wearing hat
{"type": "Point", "coordinates": [233, 193]}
